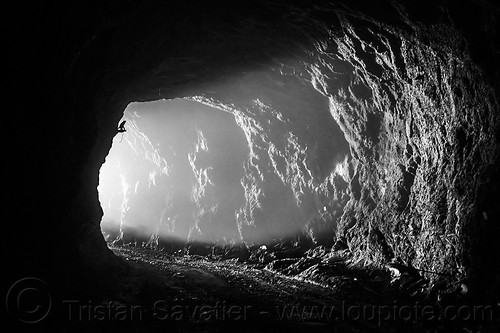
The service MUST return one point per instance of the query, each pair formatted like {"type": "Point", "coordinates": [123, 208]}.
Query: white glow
{"type": "Point", "coordinates": [158, 178]}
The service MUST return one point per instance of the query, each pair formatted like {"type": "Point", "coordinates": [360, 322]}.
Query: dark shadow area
{"type": "Point", "coordinates": [360, 192]}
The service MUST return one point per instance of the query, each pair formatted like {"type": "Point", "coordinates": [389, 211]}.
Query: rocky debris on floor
{"type": "Point", "coordinates": [321, 279]}
{"type": "Point", "coordinates": [329, 267]}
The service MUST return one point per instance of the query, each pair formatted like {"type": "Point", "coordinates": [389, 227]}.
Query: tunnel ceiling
{"type": "Point", "coordinates": [413, 94]}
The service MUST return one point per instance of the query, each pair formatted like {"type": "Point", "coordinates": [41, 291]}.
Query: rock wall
{"type": "Point", "coordinates": [264, 169]}
{"type": "Point", "coordinates": [414, 89]}
{"type": "Point", "coordinates": [421, 123]}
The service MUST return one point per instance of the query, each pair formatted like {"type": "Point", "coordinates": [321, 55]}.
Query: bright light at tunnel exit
{"type": "Point", "coordinates": [187, 172]}
{"type": "Point", "coordinates": [161, 180]}
{"type": "Point", "coordinates": [112, 194]}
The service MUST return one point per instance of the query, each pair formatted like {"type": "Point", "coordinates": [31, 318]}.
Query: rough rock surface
{"type": "Point", "coordinates": [268, 167]}
{"type": "Point", "coordinates": [419, 118]}
{"type": "Point", "coordinates": [414, 91]}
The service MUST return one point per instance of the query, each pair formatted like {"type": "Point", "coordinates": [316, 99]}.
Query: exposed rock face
{"type": "Point", "coordinates": [278, 174]}
{"type": "Point", "coordinates": [414, 92]}
{"type": "Point", "coordinates": [417, 114]}
{"type": "Point", "coordinates": [295, 161]}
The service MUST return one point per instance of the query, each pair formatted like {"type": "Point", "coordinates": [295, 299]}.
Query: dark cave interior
{"type": "Point", "coordinates": [276, 152]}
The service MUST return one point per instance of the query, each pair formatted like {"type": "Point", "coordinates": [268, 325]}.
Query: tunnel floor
{"type": "Point", "coordinates": [187, 293]}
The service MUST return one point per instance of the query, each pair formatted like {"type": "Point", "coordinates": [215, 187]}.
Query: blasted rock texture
{"type": "Point", "coordinates": [268, 167]}
{"type": "Point", "coordinates": [421, 124]}
{"type": "Point", "coordinates": [293, 180]}
{"type": "Point", "coordinates": [414, 89]}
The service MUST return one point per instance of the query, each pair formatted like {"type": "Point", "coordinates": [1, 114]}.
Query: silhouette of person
{"type": "Point", "coordinates": [121, 128]}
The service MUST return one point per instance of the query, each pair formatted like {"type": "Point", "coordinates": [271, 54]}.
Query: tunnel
{"type": "Point", "coordinates": [275, 156]}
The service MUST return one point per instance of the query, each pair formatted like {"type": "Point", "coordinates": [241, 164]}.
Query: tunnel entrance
{"type": "Point", "coordinates": [190, 173]}
{"type": "Point", "coordinates": [173, 176]}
